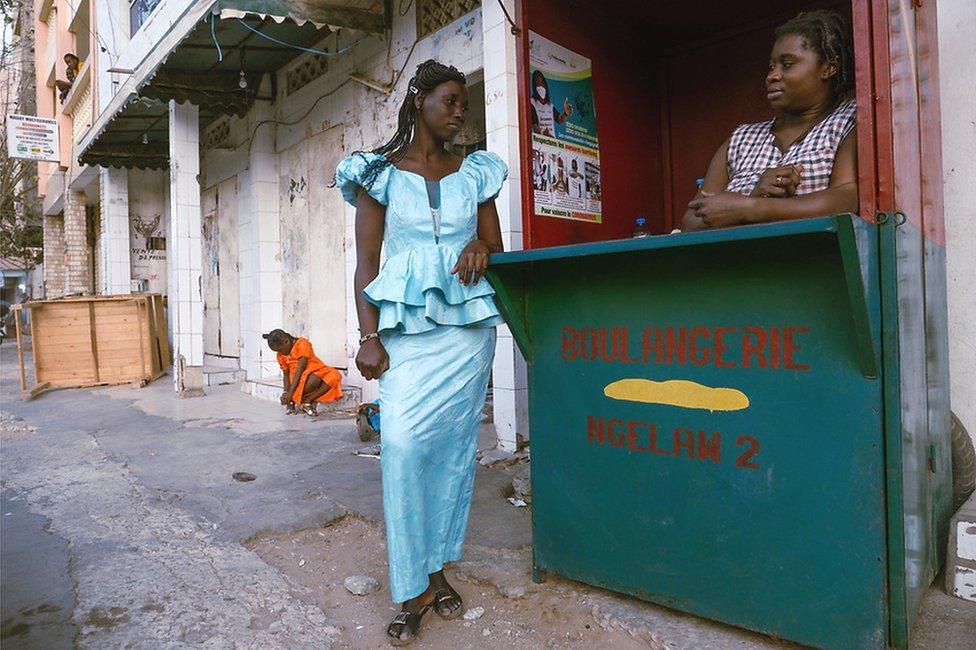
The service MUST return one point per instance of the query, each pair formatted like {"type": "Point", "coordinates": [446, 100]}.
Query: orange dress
{"type": "Point", "coordinates": [328, 374]}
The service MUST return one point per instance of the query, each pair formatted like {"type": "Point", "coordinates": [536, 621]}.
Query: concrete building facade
{"type": "Point", "coordinates": [234, 218]}
{"type": "Point", "coordinates": [221, 200]}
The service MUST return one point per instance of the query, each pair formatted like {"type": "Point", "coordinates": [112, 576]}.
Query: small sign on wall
{"type": "Point", "coordinates": [33, 138]}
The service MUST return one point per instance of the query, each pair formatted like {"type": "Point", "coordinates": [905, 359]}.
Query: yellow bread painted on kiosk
{"type": "Point", "coordinates": [677, 392]}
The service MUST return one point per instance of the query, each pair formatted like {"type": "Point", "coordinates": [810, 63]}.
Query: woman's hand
{"type": "Point", "coordinates": [472, 262]}
{"type": "Point", "coordinates": [285, 398]}
{"type": "Point", "coordinates": [779, 182]}
{"type": "Point", "coordinates": [372, 359]}
{"type": "Point", "coordinates": [723, 209]}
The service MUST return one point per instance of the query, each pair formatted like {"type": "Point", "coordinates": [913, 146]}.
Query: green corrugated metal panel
{"type": "Point", "coordinates": [773, 517]}
{"type": "Point", "coordinates": [897, 600]}
{"type": "Point", "coordinates": [916, 417]}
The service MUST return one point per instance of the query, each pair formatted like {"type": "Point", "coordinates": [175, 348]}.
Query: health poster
{"type": "Point", "coordinates": [565, 148]}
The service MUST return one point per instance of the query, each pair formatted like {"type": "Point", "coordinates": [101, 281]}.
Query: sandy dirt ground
{"type": "Point", "coordinates": [319, 559]}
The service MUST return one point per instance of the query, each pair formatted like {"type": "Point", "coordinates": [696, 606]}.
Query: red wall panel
{"type": "Point", "coordinates": [664, 100]}
{"type": "Point", "coordinates": [625, 88]}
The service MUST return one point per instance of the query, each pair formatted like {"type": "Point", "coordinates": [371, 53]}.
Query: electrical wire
{"type": "Point", "coordinates": [403, 67]}
{"type": "Point", "coordinates": [515, 29]}
{"type": "Point", "coordinates": [103, 46]}
{"type": "Point", "coordinates": [299, 47]}
{"type": "Point", "coordinates": [213, 34]}
{"type": "Point", "coordinates": [311, 108]}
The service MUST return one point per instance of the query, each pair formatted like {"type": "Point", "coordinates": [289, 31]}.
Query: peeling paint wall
{"type": "Point", "coordinates": [312, 246]}
{"type": "Point", "coordinates": [315, 127]}
{"type": "Point", "coordinates": [219, 272]}
{"type": "Point", "coordinates": [368, 118]}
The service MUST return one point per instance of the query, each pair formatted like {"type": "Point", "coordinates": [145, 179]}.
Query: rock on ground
{"type": "Point", "coordinates": [361, 585]}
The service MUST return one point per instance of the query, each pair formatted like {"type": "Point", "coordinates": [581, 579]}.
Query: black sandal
{"type": "Point", "coordinates": [406, 620]}
{"type": "Point", "coordinates": [445, 597]}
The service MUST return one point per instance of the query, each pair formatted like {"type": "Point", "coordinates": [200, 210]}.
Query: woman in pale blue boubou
{"type": "Point", "coordinates": [427, 323]}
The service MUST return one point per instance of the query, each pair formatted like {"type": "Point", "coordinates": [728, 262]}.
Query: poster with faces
{"type": "Point", "coordinates": [565, 147]}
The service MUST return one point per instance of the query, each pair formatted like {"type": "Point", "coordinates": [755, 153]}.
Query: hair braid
{"type": "Point", "coordinates": [829, 34]}
{"type": "Point", "coordinates": [429, 75]}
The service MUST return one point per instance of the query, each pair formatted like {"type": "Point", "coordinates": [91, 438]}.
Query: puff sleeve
{"type": "Point", "coordinates": [489, 172]}
{"type": "Point", "coordinates": [350, 177]}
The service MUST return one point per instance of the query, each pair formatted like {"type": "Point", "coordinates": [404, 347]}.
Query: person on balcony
{"type": "Point", "coordinates": [72, 67]}
{"type": "Point", "coordinates": [802, 163]}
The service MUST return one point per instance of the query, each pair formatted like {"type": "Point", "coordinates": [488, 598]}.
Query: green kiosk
{"type": "Point", "coordinates": [717, 425]}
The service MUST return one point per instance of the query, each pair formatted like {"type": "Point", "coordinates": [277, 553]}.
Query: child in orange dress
{"type": "Point", "coordinates": [306, 379]}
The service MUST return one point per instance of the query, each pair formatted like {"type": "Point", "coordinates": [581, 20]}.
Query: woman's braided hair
{"type": "Point", "coordinates": [429, 75]}
{"type": "Point", "coordinates": [829, 34]}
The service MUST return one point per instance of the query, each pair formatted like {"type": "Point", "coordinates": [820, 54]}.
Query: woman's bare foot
{"type": "Point", "coordinates": [405, 625]}
{"type": "Point", "coordinates": [447, 601]}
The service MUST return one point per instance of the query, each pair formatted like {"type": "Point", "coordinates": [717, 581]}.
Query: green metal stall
{"type": "Point", "coordinates": [716, 426]}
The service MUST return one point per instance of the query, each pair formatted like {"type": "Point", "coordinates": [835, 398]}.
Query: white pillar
{"type": "Point", "coordinates": [956, 19]}
{"type": "Point", "coordinates": [116, 251]}
{"type": "Point", "coordinates": [78, 278]}
{"type": "Point", "coordinates": [185, 248]}
{"type": "Point", "coordinates": [260, 245]}
{"type": "Point", "coordinates": [501, 124]}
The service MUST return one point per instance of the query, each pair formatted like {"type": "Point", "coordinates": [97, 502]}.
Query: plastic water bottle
{"type": "Point", "coordinates": [640, 228]}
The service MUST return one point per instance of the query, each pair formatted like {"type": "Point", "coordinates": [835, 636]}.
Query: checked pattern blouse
{"type": "Point", "coordinates": [753, 150]}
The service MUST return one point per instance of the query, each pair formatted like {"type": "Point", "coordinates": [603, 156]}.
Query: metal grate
{"type": "Point", "coordinates": [434, 14]}
{"type": "Point", "coordinates": [306, 72]}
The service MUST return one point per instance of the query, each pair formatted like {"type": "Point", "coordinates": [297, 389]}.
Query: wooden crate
{"type": "Point", "coordinates": [94, 341]}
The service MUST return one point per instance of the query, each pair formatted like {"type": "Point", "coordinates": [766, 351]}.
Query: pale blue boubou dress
{"type": "Point", "coordinates": [440, 336]}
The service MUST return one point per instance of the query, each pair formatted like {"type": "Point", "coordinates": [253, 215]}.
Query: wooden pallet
{"type": "Point", "coordinates": [81, 342]}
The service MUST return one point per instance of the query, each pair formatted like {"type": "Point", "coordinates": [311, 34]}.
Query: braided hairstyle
{"type": "Point", "coordinates": [429, 75]}
{"type": "Point", "coordinates": [829, 34]}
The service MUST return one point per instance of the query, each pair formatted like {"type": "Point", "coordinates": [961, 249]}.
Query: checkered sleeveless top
{"type": "Point", "coordinates": [753, 150]}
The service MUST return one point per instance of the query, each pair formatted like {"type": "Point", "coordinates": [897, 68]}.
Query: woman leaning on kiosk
{"type": "Point", "coordinates": [428, 329]}
{"type": "Point", "coordinates": [803, 163]}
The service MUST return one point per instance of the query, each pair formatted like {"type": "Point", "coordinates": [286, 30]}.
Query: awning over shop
{"type": "Point", "coordinates": [363, 15]}
{"type": "Point", "coordinates": [203, 65]}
